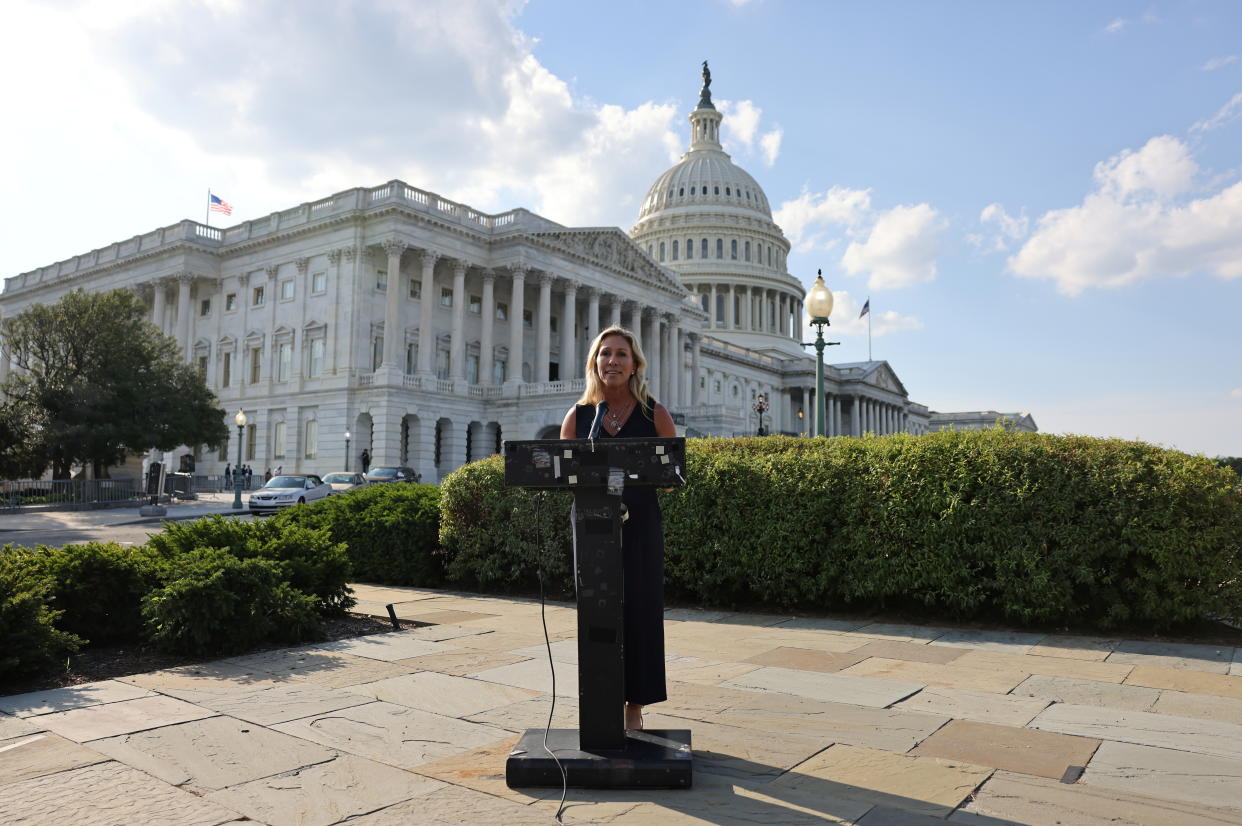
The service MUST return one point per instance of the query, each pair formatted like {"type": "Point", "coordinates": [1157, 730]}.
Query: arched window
{"type": "Point", "coordinates": [681, 193]}
{"type": "Point", "coordinates": [769, 255]}
{"type": "Point", "coordinates": [703, 301]}
{"type": "Point", "coordinates": [650, 251]}
{"type": "Point", "coordinates": [747, 250]}
{"type": "Point", "coordinates": [689, 248]}
{"type": "Point", "coordinates": [661, 250]}
{"type": "Point", "coordinates": [720, 248]}
{"type": "Point", "coordinates": [703, 249]}
{"type": "Point", "coordinates": [727, 192]}
{"type": "Point", "coordinates": [748, 194]}
{"type": "Point", "coordinates": [717, 190]}
{"type": "Point", "coordinates": [674, 250]}
{"type": "Point", "coordinates": [733, 249]}
{"type": "Point", "coordinates": [691, 190]}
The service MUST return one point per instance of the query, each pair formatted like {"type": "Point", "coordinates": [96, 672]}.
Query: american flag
{"type": "Point", "coordinates": [866, 308]}
{"type": "Point", "coordinates": [220, 205]}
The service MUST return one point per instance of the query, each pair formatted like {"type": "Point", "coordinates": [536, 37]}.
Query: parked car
{"type": "Point", "coordinates": [284, 491]}
{"type": "Point", "coordinates": [344, 482]}
{"type": "Point", "coordinates": [377, 475]}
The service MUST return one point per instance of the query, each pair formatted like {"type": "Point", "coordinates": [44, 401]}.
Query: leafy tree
{"type": "Point", "coordinates": [1234, 462]}
{"type": "Point", "coordinates": [94, 383]}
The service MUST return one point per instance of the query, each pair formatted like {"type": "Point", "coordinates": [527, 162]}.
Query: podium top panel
{"type": "Point", "coordinates": [566, 464]}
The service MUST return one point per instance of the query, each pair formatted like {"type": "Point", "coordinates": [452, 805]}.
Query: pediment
{"type": "Point", "coordinates": [884, 377]}
{"type": "Point", "coordinates": [611, 249]}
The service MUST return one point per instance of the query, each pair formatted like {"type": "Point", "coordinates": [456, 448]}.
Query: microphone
{"type": "Point", "coordinates": [600, 410]}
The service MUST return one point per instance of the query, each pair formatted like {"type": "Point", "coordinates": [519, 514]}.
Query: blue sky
{"type": "Point", "coordinates": [1042, 200]}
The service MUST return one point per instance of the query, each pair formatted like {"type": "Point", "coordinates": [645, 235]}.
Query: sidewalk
{"type": "Point", "coordinates": [207, 503]}
{"type": "Point", "coordinates": [795, 721]}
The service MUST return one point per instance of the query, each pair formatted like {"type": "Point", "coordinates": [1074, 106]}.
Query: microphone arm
{"type": "Point", "coordinates": [600, 410]}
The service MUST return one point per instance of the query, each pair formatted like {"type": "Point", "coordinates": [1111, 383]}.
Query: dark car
{"type": "Point", "coordinates": [379, 475]}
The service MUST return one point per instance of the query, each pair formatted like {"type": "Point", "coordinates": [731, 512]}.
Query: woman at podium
{"type": "Point", "coordinates": [616, 375]}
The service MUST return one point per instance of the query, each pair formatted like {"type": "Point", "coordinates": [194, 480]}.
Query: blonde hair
{"type": "Point", "coordinates": [594, 391]}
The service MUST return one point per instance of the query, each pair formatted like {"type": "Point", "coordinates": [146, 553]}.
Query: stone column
{"type": "Point", "coordinates": [677, 372]}
{"type": "Point", "coordinates": [158, 303]}
{"type": "Point", "coordinates": [695, 369]}
{"type": "Point", "coordinates": [615, 318]}
{"type": "Point", "coordinates": [592, 319]}
{"type": "Point", "coordinates": [426, 337]}
{"type": "Point", "coordinates": [650, 340]}
{"type": "Point", "coordinates": [830, 421]}
{"type": "Point", "coordinates": [836, 415]}
{"type": "Point", "coordinates": [457, 344]}
{"type": "Point", "coordinates": [516, 309]}
{"type": "Point", "coordinates": [569, 345]}
{"type": "Point", "coordinates": [856, 416]}
{"type": "Point", "coordinates": [393, 338]}
{"type": "Point", "coordinates": [730, 320]}
{"type": "Point", "coordinates": [4, 354]}
{"type": "Point", "coordinates": [487, 339]}
{"type": "Point", "coordinates": [184, 281]}
{"type": "Point", "coordinates": [543, 328]}
{"type": "Point", "coordinates": [712, 320]}
{"type": "Point", "coordinates": [634, 318]}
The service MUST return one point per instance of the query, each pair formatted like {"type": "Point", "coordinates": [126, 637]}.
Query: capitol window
{"type": "Point", "coordinates": [286, 290]}
{"type": "Point", "coordinates": [747, 250]}
{"type": "Point", "coordinates": [319, 282]}
{"type": "Point", "coordinates": [681, 192]}
{"type": "Point", "coordinates": [720, 248]}
{"type": "Point", "coordinates": [733, 249]}
{"type": "Point", "coordinates": [703, 249]}
{"type": "Point", "coordinates": [717, 190]}
{"type": "Point", "coordinates": [502, 311]}
{"type": "Point", "coordinates": [381, 280]}
{"type": "Point", "coordinates": [315, 363]}
{"type": "Point", "coordinates": [727, 191]}
{"type": "Point", "coordinates": [661, 250]}
{"type": "Point", "coordinates": [204, 307]}
{"type": "Point", "coordinates": [674, 250]}
{"type": "Point", "coordinates": [256, 299]}
{"type": "Point", "coordinates": [689, 248]}
{"type": "Point", "coordinates": [230, 302]}
{"type": "Point", "coordinates": [416, 288]}
{"type": "Point", "coordinates": [446, 297]}
{"type": "Point", "coordinates": [476, 305]}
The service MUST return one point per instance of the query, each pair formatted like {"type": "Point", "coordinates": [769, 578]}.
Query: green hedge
{"type": "Point", "coordinates": [29, 639]}
{"type": "Point", "coordinates": [1032, 528]}
{"type": "Point", "coordinates": [389, 531]}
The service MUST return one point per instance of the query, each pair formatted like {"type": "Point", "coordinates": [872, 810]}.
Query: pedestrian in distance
{"type": "Point", "coordinates": [365, 459]}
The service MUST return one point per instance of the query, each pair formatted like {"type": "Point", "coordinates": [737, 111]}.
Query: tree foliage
{"type": "Point", "coordinates": [94, 383]}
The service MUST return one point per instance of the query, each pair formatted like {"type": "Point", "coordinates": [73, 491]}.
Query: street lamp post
{"type": "Point", "coordinates": [761, 406]}
{"type": "Point", "coordinates": [240, 421]}
{"type": "Point", "coordinates": [818, 308]}
{"type": "Point", "coordinates": [346, 451]}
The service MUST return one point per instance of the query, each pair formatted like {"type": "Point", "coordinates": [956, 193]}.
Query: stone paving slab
{"type": "Point", "coordinates": [482, 769]}
{"type": "Point", "coordinates": [824, 624]}
{"type": "Point", "coordinates": [332, 669]}
{"type": "Point", "coordinates": [454, 806]}
{"type": "Point", "coordinates": [1169, 774]}
{"type": "Point", "coordinates": [11, 726]}
{"type": "Point", "coordinates": [95, 722]}
{"type": "Point", "coordinates": [998, 681]}
{"type": "Point", "coordinates": [390, 646]}
{"type": "Point", "coordinates": [535, 675]}
{"type": "Point", "coordinates": [884, 816]}
{"type": "Point", "coordinates": [64, 699]}
{"type": "Point", "coordinates": [194, 683]}
{"type": "Point", "coordinates": [688, 669]}
{"type": "Point", "coordinates": [1050, 666]}
{"type": "Point", "coordinates": [912, 652]}
{"type": "Point", "coordinates": [563, 651]}
{"type": "Point", "coordinates": [1235, 669]}
{"type": "Point", "coordinates": [448, 616]}
{"type": "Point", "coordinates": [1008, 798]}
{"type": "Point", "coordinates": [1213, 659]}
{"type": "Point", "coordinates": [780, 636]}
{"type": "Point", "coordinates": [1012, 748]}
{"type": "Point", "coordinates": [780, 714]}
{"type": "Point", "coordinates": [502, 641]}
{"type": "Point", "coordinates": [1088, 693]}
{"type": "Point", "coordinates": [805, 659]}
{"type": "Point", "coordinates": [744, 753]}
{"type": "Point", "coordinates": [1197, 682]}
{"type": "Point", "coordinates": [924, 785]}
{"type": "Point", "coordinates": [393, 734]}
{"type": "Point", "coordinates": [211, 754]}
{"type": "Point", "coordinates": [445, 694]}
{"type": "Point", "coordinates": [34, 755]}
{"type": "Point", "coordinates": [1007, 642]}
{"type": "Point", "coordinates": [1202, 706]}
{"type": "Point", "coordinates": [1206, 737]}
{"type": "Point", "coordinates": [759, 620]}
{"type": "Point", "coordinates": [1074, 647]}
{"type": "Point", "coordinates": [533, 713]}
{"type": "Point", "coordinates": [693, 615]}
{"type": "Point", "coordinates": [106, 794]}
{"type": "Point", "coordinates": [464, 635]}
{"type": "Point", "coordinates": [980, 706]}
{"type": "Point", "coordinates": [325, 793]}
{"type": "Point", "coordinates": [384, 594]}
{"type": "Point", "coordinates": [897, 632]}
{"type": "Point", "coordinates": [282, 703]}
{"type": "Point", "coordinates": [833, 688]}
{"type": "Point", "coordinates": [463, 662]}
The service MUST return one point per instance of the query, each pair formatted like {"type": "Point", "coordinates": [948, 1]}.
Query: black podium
{"type": "Point", "coordinates": [600, 753]}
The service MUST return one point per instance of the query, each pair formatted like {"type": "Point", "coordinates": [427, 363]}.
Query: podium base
{"type": "Point", "coordinates": [651, 759]}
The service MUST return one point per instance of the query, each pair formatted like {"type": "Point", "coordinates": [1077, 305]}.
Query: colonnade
{"type": "Point", "coordinates": [749, 308]}
{"type": "Point", "coordinates": [853, 414]}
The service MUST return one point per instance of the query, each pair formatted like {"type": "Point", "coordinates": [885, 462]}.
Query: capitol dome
{"type": "Point", "coordinates": [709, 221]}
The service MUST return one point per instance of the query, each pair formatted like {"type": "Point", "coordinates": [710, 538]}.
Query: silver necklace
{"type": "Point", "coordinates": [614, 418]}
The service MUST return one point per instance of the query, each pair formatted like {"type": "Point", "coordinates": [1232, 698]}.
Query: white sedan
{"type": "Point", "coordinates": [284, 491]}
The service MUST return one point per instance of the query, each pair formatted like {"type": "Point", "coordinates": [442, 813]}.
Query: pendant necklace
{"type": "Point", "coordinates": [614, 418]}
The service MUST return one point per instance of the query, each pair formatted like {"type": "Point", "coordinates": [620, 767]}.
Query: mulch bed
{"type": "Point", "coordinates": [95, 663]}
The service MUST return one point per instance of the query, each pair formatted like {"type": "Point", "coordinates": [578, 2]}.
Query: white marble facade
{"type": "Point", "coordinates": [289, 316]}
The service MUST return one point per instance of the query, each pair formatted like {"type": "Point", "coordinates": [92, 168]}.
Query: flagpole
{"type": "Point", "coordinates": [208, 206]}
{"type": "Point", "coordinates": [868, 329]}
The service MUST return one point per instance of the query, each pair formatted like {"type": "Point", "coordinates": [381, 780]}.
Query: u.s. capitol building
{"type": "Point", "coordinates": [430, 331]}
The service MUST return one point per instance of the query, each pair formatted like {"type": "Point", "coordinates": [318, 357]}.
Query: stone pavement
{"type": "Point", "coordinates": [795, 721]}
{"type": "Point", "coordinates": [46, 520]}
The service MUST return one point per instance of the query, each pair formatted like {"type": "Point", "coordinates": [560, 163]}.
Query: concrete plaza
{"type": "Point", "coordinates": [794, 721]}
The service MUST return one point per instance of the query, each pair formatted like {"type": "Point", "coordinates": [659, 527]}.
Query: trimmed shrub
{"type": "Point", "coordinates": [390, 531]}
{"type": "Point", "coordinates": [29, 639]}
{"type": "Point", "coordinates": [309, 560]}
{"type": "Point", "coordinates": [496, 538]}
{"type": "Point", "coordinates": [215, 603]}
{"type": "Point", "coordinates": [98, 588]}
{"type": "Point", "coordinates": [1033, 528]}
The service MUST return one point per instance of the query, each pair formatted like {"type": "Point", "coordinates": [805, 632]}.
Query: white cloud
{"type": "Point", "coordinates": [770, 144]}
{"type": "Point", "coordinates": [1223, 115]}
{"type": "Point", "coordinates": [1134, 225]}
{"type": "Point", "coordinates": [845, 320]}
{"type": "Point", "coordinates": [1117, 25]}
{"type": "Point", "coordinates": [1236, 393]}
{"type": "Point", "coordinates": [1007, 229]}
{"type": "Point", "coordinates": [900, 249]}
{"type": "Point", "coordinates": [1220, 62]}
{"type": "Point", "coordinates": [741, 122]}
{"type": "Point", "coordinates": [809, 220]}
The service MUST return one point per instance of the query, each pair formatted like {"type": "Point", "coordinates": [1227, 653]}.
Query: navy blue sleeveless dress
{"type": "Point", "coordinates": [642, 542]}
